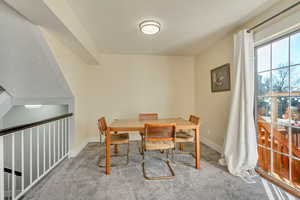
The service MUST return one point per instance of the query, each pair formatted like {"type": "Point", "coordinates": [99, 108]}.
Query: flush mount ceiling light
{"type": "Point", "coordinates": [149, 27]}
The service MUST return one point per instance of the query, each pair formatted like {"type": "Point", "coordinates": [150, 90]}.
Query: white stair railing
{"type": "Point", "coordinates": [29, 152]}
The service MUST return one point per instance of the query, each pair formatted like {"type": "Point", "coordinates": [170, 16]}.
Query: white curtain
{"type": "Point", "coordinates": [240, 149]}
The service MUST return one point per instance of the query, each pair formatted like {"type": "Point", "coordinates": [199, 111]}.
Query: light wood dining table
{"type": "Point", "coordinates": [132, 125]}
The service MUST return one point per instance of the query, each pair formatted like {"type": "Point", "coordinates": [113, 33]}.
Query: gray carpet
{"type": "Point", "coordinates": [80, 178]}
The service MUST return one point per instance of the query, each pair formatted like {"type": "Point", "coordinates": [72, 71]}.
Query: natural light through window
{"type": "Point", "coordinates": [278, 108]}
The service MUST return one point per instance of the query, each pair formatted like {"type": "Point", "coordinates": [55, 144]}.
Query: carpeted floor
{"type": "Point", "coordinates": [80, 178]}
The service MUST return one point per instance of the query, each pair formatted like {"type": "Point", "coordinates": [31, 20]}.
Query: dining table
{"type": "Point", "coordinates": [136, 125]}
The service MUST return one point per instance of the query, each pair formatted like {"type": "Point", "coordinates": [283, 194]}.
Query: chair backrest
{"type": "Point", "coordinates": [160, 132]}
{"type": "Point", "coordinates": [102, 125]}
{"type": "Point", "coordinates": [194, 119]}
{"type": "Point", "coordinates": [148, 116]}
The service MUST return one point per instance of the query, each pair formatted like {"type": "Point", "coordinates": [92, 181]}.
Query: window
{"type": "Point", "coordinates": [278, 108]}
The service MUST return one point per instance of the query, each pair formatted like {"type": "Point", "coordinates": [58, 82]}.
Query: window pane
{"type": "Point", "coordinates": [296, 173]}
{"type": "Point", "coordinates": [295, 80]}
{"type": "Point", "coordinates": [280, 138]}
{"type": "Point", "coordinates": [264, 83]}
{"type": "Point", "coordinates": [295, 109]}
{"type": "Point", "coordinates": [263, 58]}
{"type": "Point", "coordinates": [264, 134]}
{"type": "Point", "coordinates": [278, 108]}
{"type": "Point", "coordinates": [264, 109]}
{"type": "Point", "coordinates": [295, 49]}
{"type": "Point", "coordinates": [281, 166]}
{"type": "Point", "coordinates": [280, 81]}
{"type": "Point", "coordinates": [264, 159]}
{"type": "Point", "coordinates": [296, 142]}
{"type": "Point", "coordinates": [280, 53]}
{"type": "Point", "coordinates": [281, 110]}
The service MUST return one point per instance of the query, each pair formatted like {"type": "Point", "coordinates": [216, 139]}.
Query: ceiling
{"type": "Point", "coordinates": [187, 26]}
{"type": "Point", "coordinates": [41, 15]}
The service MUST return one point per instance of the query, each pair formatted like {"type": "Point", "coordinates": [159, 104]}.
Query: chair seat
{"type": "Point", "coordinates": [121, 138]}
{"type": "Point", "coordinates": [184, 137]}
{"type": "Point", "coordinates": [159, 145]}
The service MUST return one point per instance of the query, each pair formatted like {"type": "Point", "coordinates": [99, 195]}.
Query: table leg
{"type": "Point", "coordinates": [197, 147]}
{"type": "Point", "coordinates": [107, 152]}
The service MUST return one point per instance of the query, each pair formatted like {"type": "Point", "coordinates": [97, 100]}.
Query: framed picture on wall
{"type": "Point", "coordinates": [220, 78]}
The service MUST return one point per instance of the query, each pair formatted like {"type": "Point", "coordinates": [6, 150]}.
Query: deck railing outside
{"type": "Point", "coordinates": [28, 152]}
{"type": "Point", "coordinates": [278, 154]}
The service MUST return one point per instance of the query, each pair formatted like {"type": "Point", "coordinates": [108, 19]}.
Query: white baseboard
{"type": "Point", "coordinates": [76, 151]}
{"type": "Point", "coordinates": [211, 144]}
{"type": "Point", "coordinates": [95, 139]}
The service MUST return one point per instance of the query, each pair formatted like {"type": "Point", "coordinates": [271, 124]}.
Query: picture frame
{"type": "Point", "coordinates": [220, 78]}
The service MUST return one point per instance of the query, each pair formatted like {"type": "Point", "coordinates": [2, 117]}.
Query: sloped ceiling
{"type": "Point", "coordinates": [28, 69]}
{"type": "Point", "coordinates": [38, 12]}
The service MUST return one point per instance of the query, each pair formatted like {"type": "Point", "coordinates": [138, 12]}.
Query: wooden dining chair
{"type": "Point", "coordinates": [159, 137]}
{"type": "Point", "coordinates": [115, 139]}
{"type": "Point", "coordinates": [186, 137]}
{"type": "Point", "coordinates": [146, 116]}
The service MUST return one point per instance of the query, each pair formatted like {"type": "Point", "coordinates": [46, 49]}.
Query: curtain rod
{"type": "Point", "coordinates": [272, 17]}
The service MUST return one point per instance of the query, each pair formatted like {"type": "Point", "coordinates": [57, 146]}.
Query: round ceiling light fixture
{"type": "Point", "coordinates": [149, 27]}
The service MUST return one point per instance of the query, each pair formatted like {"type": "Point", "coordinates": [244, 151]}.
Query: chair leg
{"type": "Point", "coordinates": [141, 145]}
{"type": "Point", "coordinates": [158, 177]}
{"type": "Point", "coordinates": [181, 147]}
{"type": "Point", "coordinates": [116, 155]}
{"type": "Point", "coordinates": [128, 151]}
{"type": "Point", "coordinates": [99, 155]}
{"type": "Point", "coordinates": [182, 152]}
{"type": "Point", "coordinates": [117, 149]}
{"type": "Point", "coordinates": [99, 152]}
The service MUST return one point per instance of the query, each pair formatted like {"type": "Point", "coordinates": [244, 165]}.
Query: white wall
{"type": "Point", "coordinates": [19, 115]}
{"type": "Point", "coordinates": [213, 108]}
{"type": "Point", "coordinates": [126, 85]}
{"type": "Point", "coordinates": [75, 73]}
{"type": "Point", "coordinates": [28, 69]}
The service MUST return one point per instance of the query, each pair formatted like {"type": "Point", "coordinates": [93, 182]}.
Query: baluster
{"type": "Point", "coordinates": [62, 138]}
{"type": "Point", "coordinates": [13, 194]}
{"type": "Point", "coordinates": [58, 139]}
{"type": "Point", "coordinates": [44, 148]}
{"type": "Point", "coordinates": [8, 183]}
{"type": "Point", "coordinates": [38, 151]}
{"type": "Point", "coordinates": [30, 165]}
{"type": "Point", "coordinates": [22, 159]}
{"type": "Point", "coordinates": [49, 145]}
{"type": "Point", "coordinates": [1, 168]}
{"type": "Point", "coordinates": [65, 135]}
{"type": "Point", "coordinates": [68, 135]}
{"type": "Point", "coordinates": [54, 143]}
